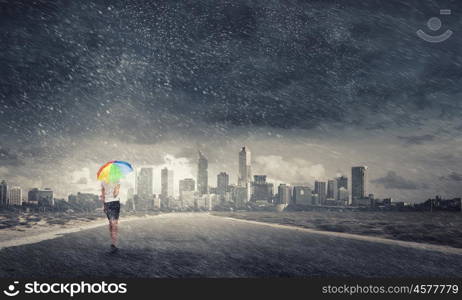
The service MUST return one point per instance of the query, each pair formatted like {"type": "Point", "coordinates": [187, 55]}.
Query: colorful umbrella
{"type": "Point", "coordinates": [113, 171]}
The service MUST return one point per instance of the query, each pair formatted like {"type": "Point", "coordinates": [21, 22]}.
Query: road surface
{"type": "Point", "coordinates": [202, 245]}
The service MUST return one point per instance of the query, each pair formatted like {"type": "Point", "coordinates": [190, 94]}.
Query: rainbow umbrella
{"type": "Point", "coordinates": [114, 170]}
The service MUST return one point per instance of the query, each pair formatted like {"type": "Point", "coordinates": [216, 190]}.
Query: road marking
{"type": "Point", "coordinates": [421, 246]}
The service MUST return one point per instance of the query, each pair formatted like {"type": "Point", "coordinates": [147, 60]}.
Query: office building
{"type": "Point", "coordinates": [302, 195]}
{"type": "Point", "coordinates": [315, 199]}
{"type": "Point", "coordinates": [284, 194]}
{"type": "Point", "coordinates": [245, 171]}
{"type": "Point", "coordinates": [320, 190]}
{"type": "Point", "coordinates": [144, 183]}
{"type": "Point", "coordinates": [342, 181]}
{"type": "Point", "coordinates": [41, 197]}
{"type": "Point", "coordinates": [343, 196]}
{"type": "Point", "coordinates": [222, 184]}
{"type": "Point", "coordinates": [3, 193]}
{"type": "Point", "coordinates": [332, 191]}
{"type": "Point", "coordinates": [188, 199]}
{"type": "Point", "coordinates": [187, 184]}
{"type": "Point", "coordinates": [261, 190]}
{"type": "Point", "coordinates": [166, 182]}
{"type": "Point", "coordinates": [358, 183]}
{"type": "Point", "coordinates": [239, 196]}
{"type": "Point", "coordinates": [202, 174]}
{"type": "Point", "coordinates": [15, 196]}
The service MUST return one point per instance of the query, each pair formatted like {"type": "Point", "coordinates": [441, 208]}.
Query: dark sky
{"type": "Point", "coordinates": [328, 84]}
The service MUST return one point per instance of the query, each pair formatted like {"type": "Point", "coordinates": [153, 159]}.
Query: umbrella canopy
{"type": "Point", "coordinates": [113, 170]}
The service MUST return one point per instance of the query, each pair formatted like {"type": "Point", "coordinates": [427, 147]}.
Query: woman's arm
{"type": "Point", "coordinates": [102, 194]}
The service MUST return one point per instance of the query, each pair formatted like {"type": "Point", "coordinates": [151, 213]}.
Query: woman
{"type": "Point", "coordinates": [111, 202]}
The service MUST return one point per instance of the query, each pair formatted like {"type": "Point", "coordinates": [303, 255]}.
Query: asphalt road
{"type": "Point", "coordinates": [201, 245]}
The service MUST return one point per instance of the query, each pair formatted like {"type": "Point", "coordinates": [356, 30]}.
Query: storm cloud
{"type": "Point", "coordinates": [417, 140]}
{"type": "Point", "coordinates": [453, 176]}
{"type": "Point", "coordinates": [306, 83]}
{"type": "Point", "coordinates": [394, 181]}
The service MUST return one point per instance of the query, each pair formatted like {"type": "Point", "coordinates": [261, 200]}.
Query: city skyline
{"type": "Point", "coordinates": [333, 188]}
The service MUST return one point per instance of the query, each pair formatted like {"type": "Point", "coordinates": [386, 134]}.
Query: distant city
{"type": "Point", "coordinates": [250, 192]}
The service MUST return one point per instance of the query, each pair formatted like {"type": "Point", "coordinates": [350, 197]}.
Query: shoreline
{"type": "Point", "coordinates": [441, 229]}
{"type": "Point", "coordinates": [16, 236]}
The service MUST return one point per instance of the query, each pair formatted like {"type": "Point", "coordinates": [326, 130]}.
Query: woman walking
{"type": "Point", "coordinates": [110, 175]}
{"type": "Point", "coordinates": [111, 206]}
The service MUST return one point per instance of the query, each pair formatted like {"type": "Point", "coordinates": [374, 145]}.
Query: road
{"type": "Point", "coordinates": [202, 245]}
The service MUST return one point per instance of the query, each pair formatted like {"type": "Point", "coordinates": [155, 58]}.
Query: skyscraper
{"type": "Point", "coordinates": [15, 196]}
{"type": "Point", "coordinates": [187, 194]}
{"type": "Point", "coordinates": [187, 185]}
{"type": "Point", "coordinates": [342, 181]}
{"type": "Point", "coordinates": [332, 191]}
{"type": "Point", "coordinates": [245, 170]}
{"type": "Point", "coordinates": [166, 182]}
{"type": "Point", "coordinates": [284, 194]}
{"type": "Point", "coordinates": [302, 195]}
{"type": "Point", "coordinates": [222, 183]}
{"type": "Point", "coordinates": [202, 174]}
{"type": "Point", "coordinates": [144, 182]}
{"type": "Point", "coordinates": [343, 196]}
{"type": "Point", "coordinates": [41, 197]}
{"type": "Point", "coordinates": [261, 190]}
{"type": "Point", "coordinates": [342, 188]}
{"type": "Point", "coordinates": [3, 193]}
{"type": "Point", "coordinates": [320, 190]}
{"type": "Point", "coordinates": [358, 183]}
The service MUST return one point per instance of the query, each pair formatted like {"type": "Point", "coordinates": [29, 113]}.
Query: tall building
{"type": "Point", "coordinates": [343, 196]}
{"type": "Point", "coordinates": [284, 194]}
{"type": "Point", "coordinates": [187, 188]}
{"type": "Point", "coordinates": [166, 181]}
{"type": "Point", "coordinates": [3, 193]}
{"type": "Point", "coordinates": [157, 203]}
{"type": "Point", "coordinates": [245, 170]}
{"type": "Point", "coordinates": [358, 183]}
{"type": "Point", "coordinates": [144, 183]}
{"type": "Point", "coordinates": [187, 185]}
{"type": "Point", "coordinates": [202, 174]}
{"type": "Point", "coordinates": [342, 182]}
{"type": "Point", "coordinates": [41, 197]}
{"type": "Point", "coordinates": [320, 190]}
{"type": "Point", "coordinates": [315, 199]}
{"type": "Point", "coordinates": [261, 190]}
{"type": "Point", "coordinates": [302, 195]}
{"type": "Point", "coordinates": [15, 196]}
{"type": "Point", "coordinates": [222, 183]}
{"type": "Point", "coordinates": [188, 199]}
{"type": "Point", "coordinates": [239, 196]}
{"type": "Point", "coordinates": [332, 191]}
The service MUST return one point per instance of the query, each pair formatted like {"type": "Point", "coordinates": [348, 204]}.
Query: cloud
{"type": "Point", "coordinates": [82, 180]}
{"type": "Point", "coordinates": [3, 171]}
{"type": "Point", "coordinates": [7, 158]}
{"type": "Point", "coordinates": [417, 139]}
{"type": "Point", "coordinates": [395, 181]}
{"type": "Point", "coordinates": [453, 176]}
{"type": "Point", "coordinates": [291, 170]}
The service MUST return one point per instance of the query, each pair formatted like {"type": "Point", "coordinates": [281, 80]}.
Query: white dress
{"type": "Point", "coordinates": [109, 191]}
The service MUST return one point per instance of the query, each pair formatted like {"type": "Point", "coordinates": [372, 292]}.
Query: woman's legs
{"type": "Point", "coordinates": [112, 210]}
{"type": "Point", "coordinates": [113, 230]}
